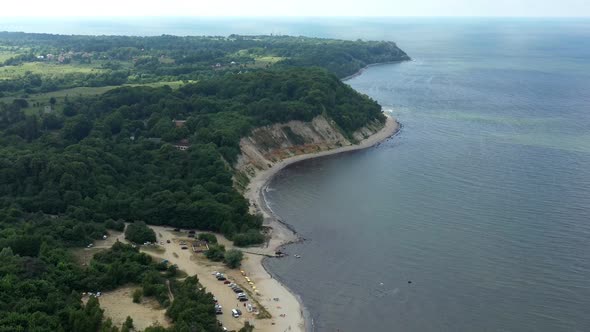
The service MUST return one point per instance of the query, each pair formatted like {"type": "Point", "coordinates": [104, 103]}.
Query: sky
{"type": "Point", "coordinates": [518, 8]}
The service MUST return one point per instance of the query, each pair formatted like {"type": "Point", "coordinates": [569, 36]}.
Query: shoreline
{"type": "Point", "coordinates": [284, 234]}
{"type": "Point", "coordinates": [360, 71]}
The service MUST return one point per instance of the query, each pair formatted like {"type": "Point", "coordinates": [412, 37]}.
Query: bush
{"type": "Point", "coordinates": [249, 238]}
{"type": "Point", "coordinates": [116, 225]}
{"type": "Point", "coordinates": [137, 295]}
{"type": "Point", "coordinates": [233, 258]}
{"type": "Point", "coordinates": [210, 238]}
{"type": "Point", "coordinates": [216, 253]}
{"type": "Point", "coordinates": [139, 232]}
{"type": "Point", "coordinates": [172, 271]}
{"type": "Point", "coordinates": [128, 325]}
{"type": "Point", "coordinates": [247, 328]}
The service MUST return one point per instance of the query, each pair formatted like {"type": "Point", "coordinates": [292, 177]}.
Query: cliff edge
{"type": "Point", "coordinates": [268, 145]}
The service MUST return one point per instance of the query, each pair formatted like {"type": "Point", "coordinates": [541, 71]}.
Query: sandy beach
{"type": "Point", "coordinates": [281, 233]}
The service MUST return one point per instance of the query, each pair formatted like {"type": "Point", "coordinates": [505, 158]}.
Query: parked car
{"type": "Point", "coordinates": [184, 247]}
{"type": "Point", "coordinates": [167, 241]}
{"type": "Point", "coordinates": [236, 313]}
{"type": "Point", "coordinates": [227, 282]}
{"type": "Point", "coordinates": [238, 290]}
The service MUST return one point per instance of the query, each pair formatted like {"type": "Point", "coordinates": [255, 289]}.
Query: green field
{"type": "Point", "coordinates": [46, 69]}
{"type": "Point", "coordinates": [265, 61]}
{"type": "Point", "coordinates": [43, 98]}
{"type": "Point", "coordinates": [5, 55]}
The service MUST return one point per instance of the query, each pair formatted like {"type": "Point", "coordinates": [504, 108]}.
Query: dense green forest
{"type": "Point", "coordinates": [73, 166]}
{"type": "Point", "coordinates": [113, 156]}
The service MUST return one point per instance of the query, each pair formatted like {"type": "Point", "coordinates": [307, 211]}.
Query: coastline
{"type": "Point", "coordinates": [360, 71]}
{"type": "Point", "coordinates": [282, 233]}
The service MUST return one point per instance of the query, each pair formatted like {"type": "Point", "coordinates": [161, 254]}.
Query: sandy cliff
{"type": "Point", "coordinates": [271, 144]}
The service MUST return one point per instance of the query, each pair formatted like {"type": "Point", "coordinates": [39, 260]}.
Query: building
{"type": "Point", "coordinates": [182, 145]}
{"type": "Point", "coordinates": [200, 246]}
{"type": "Point", "coordinates": [179, 123]}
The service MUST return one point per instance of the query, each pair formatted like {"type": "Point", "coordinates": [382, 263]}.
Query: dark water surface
{"type": "Point", "coordinates": [482, 201]}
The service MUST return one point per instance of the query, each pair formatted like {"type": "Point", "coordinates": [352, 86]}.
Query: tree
{"type": "Point", "coordinates": [137, 294]}
{"type": "Point", "coordinates": [128, 325]}
{"type": "Point", "coordinates": [139, 232]}
{"type": "Point", "coordinates": [209, 237]}
{"type": "Point", "coordinates": [233, 258]}
{"type": "Point", "coordinates": [215, 253]}
{"type": "Point", "coordinates": [247, 327]}
{"type": "Point", "coordinates": [77, 128]}
{"type": "Point", "coordinates": [52, 101]}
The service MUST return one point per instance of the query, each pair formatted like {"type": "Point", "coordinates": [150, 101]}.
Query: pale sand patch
{"type": "Point", "coordinates": [118, 304]}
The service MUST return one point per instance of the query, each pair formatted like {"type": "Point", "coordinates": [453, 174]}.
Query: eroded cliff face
{"type": "Point", "coordinates": [268, 145]}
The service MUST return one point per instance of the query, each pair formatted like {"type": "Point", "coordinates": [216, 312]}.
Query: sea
{"type": "Point", "coordinates": [476, 215]}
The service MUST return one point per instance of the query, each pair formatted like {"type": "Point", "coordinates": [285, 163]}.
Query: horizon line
{"type": "Point", "coordinates": [289, 16]}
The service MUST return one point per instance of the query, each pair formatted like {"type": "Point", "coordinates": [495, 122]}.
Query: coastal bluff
{"type": "Point", "coordinates": [268, 145]}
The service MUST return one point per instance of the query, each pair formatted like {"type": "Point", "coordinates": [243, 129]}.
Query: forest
{"type": "Point", "coordinates": [73, 167]}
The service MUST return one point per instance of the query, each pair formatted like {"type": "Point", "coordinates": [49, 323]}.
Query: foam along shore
{"type": "Point", "coordinates": [281, 233]}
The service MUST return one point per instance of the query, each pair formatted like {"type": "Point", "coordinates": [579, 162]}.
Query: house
{"type": "Point", "coordinates": [182, 145]}
{"type": "Point", "coordinates": [179, 123]}
{"type": "Point", "coordinates": [47, 109]}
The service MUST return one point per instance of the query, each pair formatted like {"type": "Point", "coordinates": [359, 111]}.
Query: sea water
{"type": "Point", "coordinates": [482, 201]}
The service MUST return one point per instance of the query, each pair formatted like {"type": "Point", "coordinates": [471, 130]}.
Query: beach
{"type": "Point", "coordinates": [282, 234]}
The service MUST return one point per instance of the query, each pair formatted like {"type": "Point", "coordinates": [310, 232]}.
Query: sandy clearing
{"type": "Point", "coordinates": [118, 304]}
{"type": "Point", "coordinates": [84, 255]}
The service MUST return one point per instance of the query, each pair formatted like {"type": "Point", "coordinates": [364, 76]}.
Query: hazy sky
{"type": "Point", "coordinates": [295, 8]}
